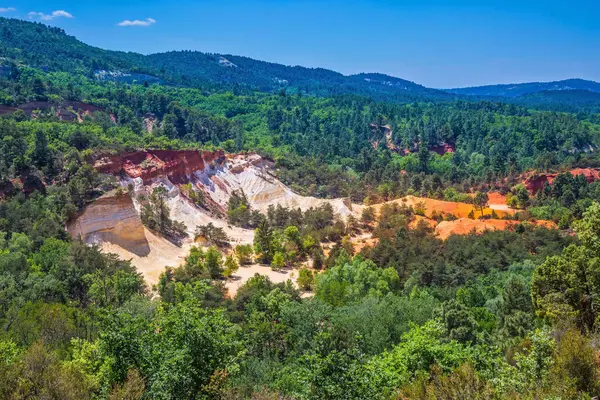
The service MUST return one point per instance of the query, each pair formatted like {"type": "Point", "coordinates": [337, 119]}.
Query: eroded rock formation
{"type": "Point", "coordinates": [534, 182]}
{"type": "Point", "coordinates": [176, 165]}
{"type": "Point", "coordinates": [112, 219]}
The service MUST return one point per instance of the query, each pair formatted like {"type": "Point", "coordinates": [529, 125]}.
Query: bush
{"type": "Point", "coordinates": [278, 261]}
{"type": "Point", "coordinates": [306, 279]}
{"type": "Point", "coordinates": [244, 254]}
{"type": "Point", "coordinates": [231, 266]}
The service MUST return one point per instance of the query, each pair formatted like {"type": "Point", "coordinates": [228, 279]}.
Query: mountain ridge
{"type": "Point", "coordinates": [520, 89]}
{"type": "Point", "coordinates": [52, 49]}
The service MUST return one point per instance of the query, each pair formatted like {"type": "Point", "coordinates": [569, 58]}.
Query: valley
{"type": "Point", "coordinates": [194, 225]}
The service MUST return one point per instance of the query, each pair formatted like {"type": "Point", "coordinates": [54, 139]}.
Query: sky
{"type": "Point", "coordinates": [439, 44]}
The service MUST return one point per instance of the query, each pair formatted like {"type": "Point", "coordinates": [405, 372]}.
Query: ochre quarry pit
{"type": "Point", "coordinates": [113, 221]}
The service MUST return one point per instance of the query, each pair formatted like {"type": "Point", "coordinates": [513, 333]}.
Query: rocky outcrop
{"type": "Point", "coordinates": [176, 165]}
{"type": "Point", "coordinates": [386, 131]}
{"type": "Point", "coordinates": [534, 182]}
{"type": "Point", "coordinates": [443, 148]}
{"type": "Point", "coordinates": [112, 219]}
{"type": "Point", "coordinates": [440, 149]}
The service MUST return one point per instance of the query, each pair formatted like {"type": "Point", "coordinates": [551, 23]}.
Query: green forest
{"type": "Point", "coordinates": [499, 315]}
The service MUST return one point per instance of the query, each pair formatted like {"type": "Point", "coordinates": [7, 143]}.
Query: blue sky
{"type": "Point", "coordinates": [435, 43]}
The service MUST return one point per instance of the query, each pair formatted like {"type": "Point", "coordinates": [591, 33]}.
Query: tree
{"type": "Point", "coordinates": [349, 281]}
{"type": "Point", "coordinates": [161, 212]}
{"type": "Point", "coordinates": [231, 266]}
{"type": "Point", "coordinates": [132, 389]}
{"type": "Point", "coordinates": [239, 212]}
{"type": "Point", "coordinates": [156, 214]}
{"type": "Point", "coordinates": [41, 154]}
{"type": "Point", "coordinates": [421, 348]}
{"type": "Point", "coordinates": [516, 310]}
{"type": "Point", "coordinates": [214, 235]}
{"type": "Point", "coordinates": [278, 261]}
{"type": "Point", "coordinates": [368, 216]}
{"type": "Point", "coordinates": [214, 262]}
{"type": "Point", "coordinates": [178, 351]}
{"type": "Point", "coordinates": [568, 285]}
{"type": "Point", "coordinates": [352, 225]}
{"type": "Point", "coordinates": [244, 253]}
{"type": "Point", "coordinates": [521, 196]}
{"type": "Point", "coordinates": [481, 200]}
{"type": "Point", "coordinates": [305, 279]}
{"type": "Point", "coordinates": [263, 242]}
{"type": "Point", "coordinates": [424, 157]}
{"type": "Point", "coordinates": [459, 322]}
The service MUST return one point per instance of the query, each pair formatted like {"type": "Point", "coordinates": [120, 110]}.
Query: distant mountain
{"type": "Point", "coordinates": [51, 49]}
{"type": "Point", "coordinates": [521, 89]}
{"type": "Point", "coordinates": [562, 100]}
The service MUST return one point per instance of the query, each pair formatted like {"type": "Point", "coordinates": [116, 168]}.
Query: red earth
{"type": "Point", "coordinates": [176, 165]}
{"type": "Point", "coordinates": [534, 182]}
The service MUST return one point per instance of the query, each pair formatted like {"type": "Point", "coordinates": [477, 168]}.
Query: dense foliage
{"type": "Point", "coordinates": [503, 314]}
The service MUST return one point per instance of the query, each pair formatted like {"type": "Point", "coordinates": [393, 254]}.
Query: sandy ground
{"type": "Point", "coordinates": [162, 254]}
{"type": "Point", "coordinates": [497, 202]}
{"type": "Point", "coordinates": [460, 210]}
{"type": "Point", "coordinates": [247, 272]}
{"type": "Point", "coordinates": [464, 226]}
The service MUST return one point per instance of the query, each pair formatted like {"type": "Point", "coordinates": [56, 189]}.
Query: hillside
{"type": "Point", "coordinates": [566, 100]}
{"type": "Point", "coordinates": [176, 226]}
{"type": "Point", "coordinates": [41, 46]}
{"type": "Point", "coordinates": [520, 89]}
{"type": "Point", "coordinates": [52, 49]}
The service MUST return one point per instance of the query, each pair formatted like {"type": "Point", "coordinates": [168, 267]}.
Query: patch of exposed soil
{"type": "Point", "coordinates": [464, 226]}
{"type": "Point", "coordinates": [246, 272]}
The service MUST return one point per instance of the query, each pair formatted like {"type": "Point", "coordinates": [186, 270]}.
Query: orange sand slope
{"type": "Point", "coordinates": [415, 223]}
{"type": "Point", "coordinates": [460, 210]}
{"type": "Point", "coordinates": [464, 226]}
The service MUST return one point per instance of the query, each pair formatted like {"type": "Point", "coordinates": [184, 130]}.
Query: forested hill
{"type": "Point", "coordinates": [51, 49]}
{"type": "Point", "coordinates": [40, 46]}
{"type": "Point", "coordinates": [521, 89]}
{"type": "Point", "coordinates": [386, 306]}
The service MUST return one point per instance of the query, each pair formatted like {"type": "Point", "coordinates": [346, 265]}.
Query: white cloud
{"type": "Point", "coordinates": [137, 22]}
{"type": "Point", "coordinates": [49, 17]}
{"type": "Point", "coordinates": [7, 9]}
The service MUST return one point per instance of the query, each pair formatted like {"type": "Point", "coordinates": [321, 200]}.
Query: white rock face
{"type": "Point", "coordinates": [250, 174]}
{"type": "Point", "coordinates": [114, 223]}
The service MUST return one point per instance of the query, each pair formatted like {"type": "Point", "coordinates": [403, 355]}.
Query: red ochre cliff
{"type": "Point", "coordinates": [535, 182]}
{"type": "Point", "coordinates": [177, 165]}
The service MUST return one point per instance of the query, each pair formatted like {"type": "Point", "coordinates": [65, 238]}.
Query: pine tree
{"type": "Point", "coordinates": [263, 242]}
{"type": "Point", "coordinates": [41, 154]}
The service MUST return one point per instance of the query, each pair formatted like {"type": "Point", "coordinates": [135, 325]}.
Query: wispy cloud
{"type": "Point", "coordinates": [50, 17]}
{"type": "Point", "coordinates": [137, 22]}
{"type": "Point", "coordinates": [7, 9]}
